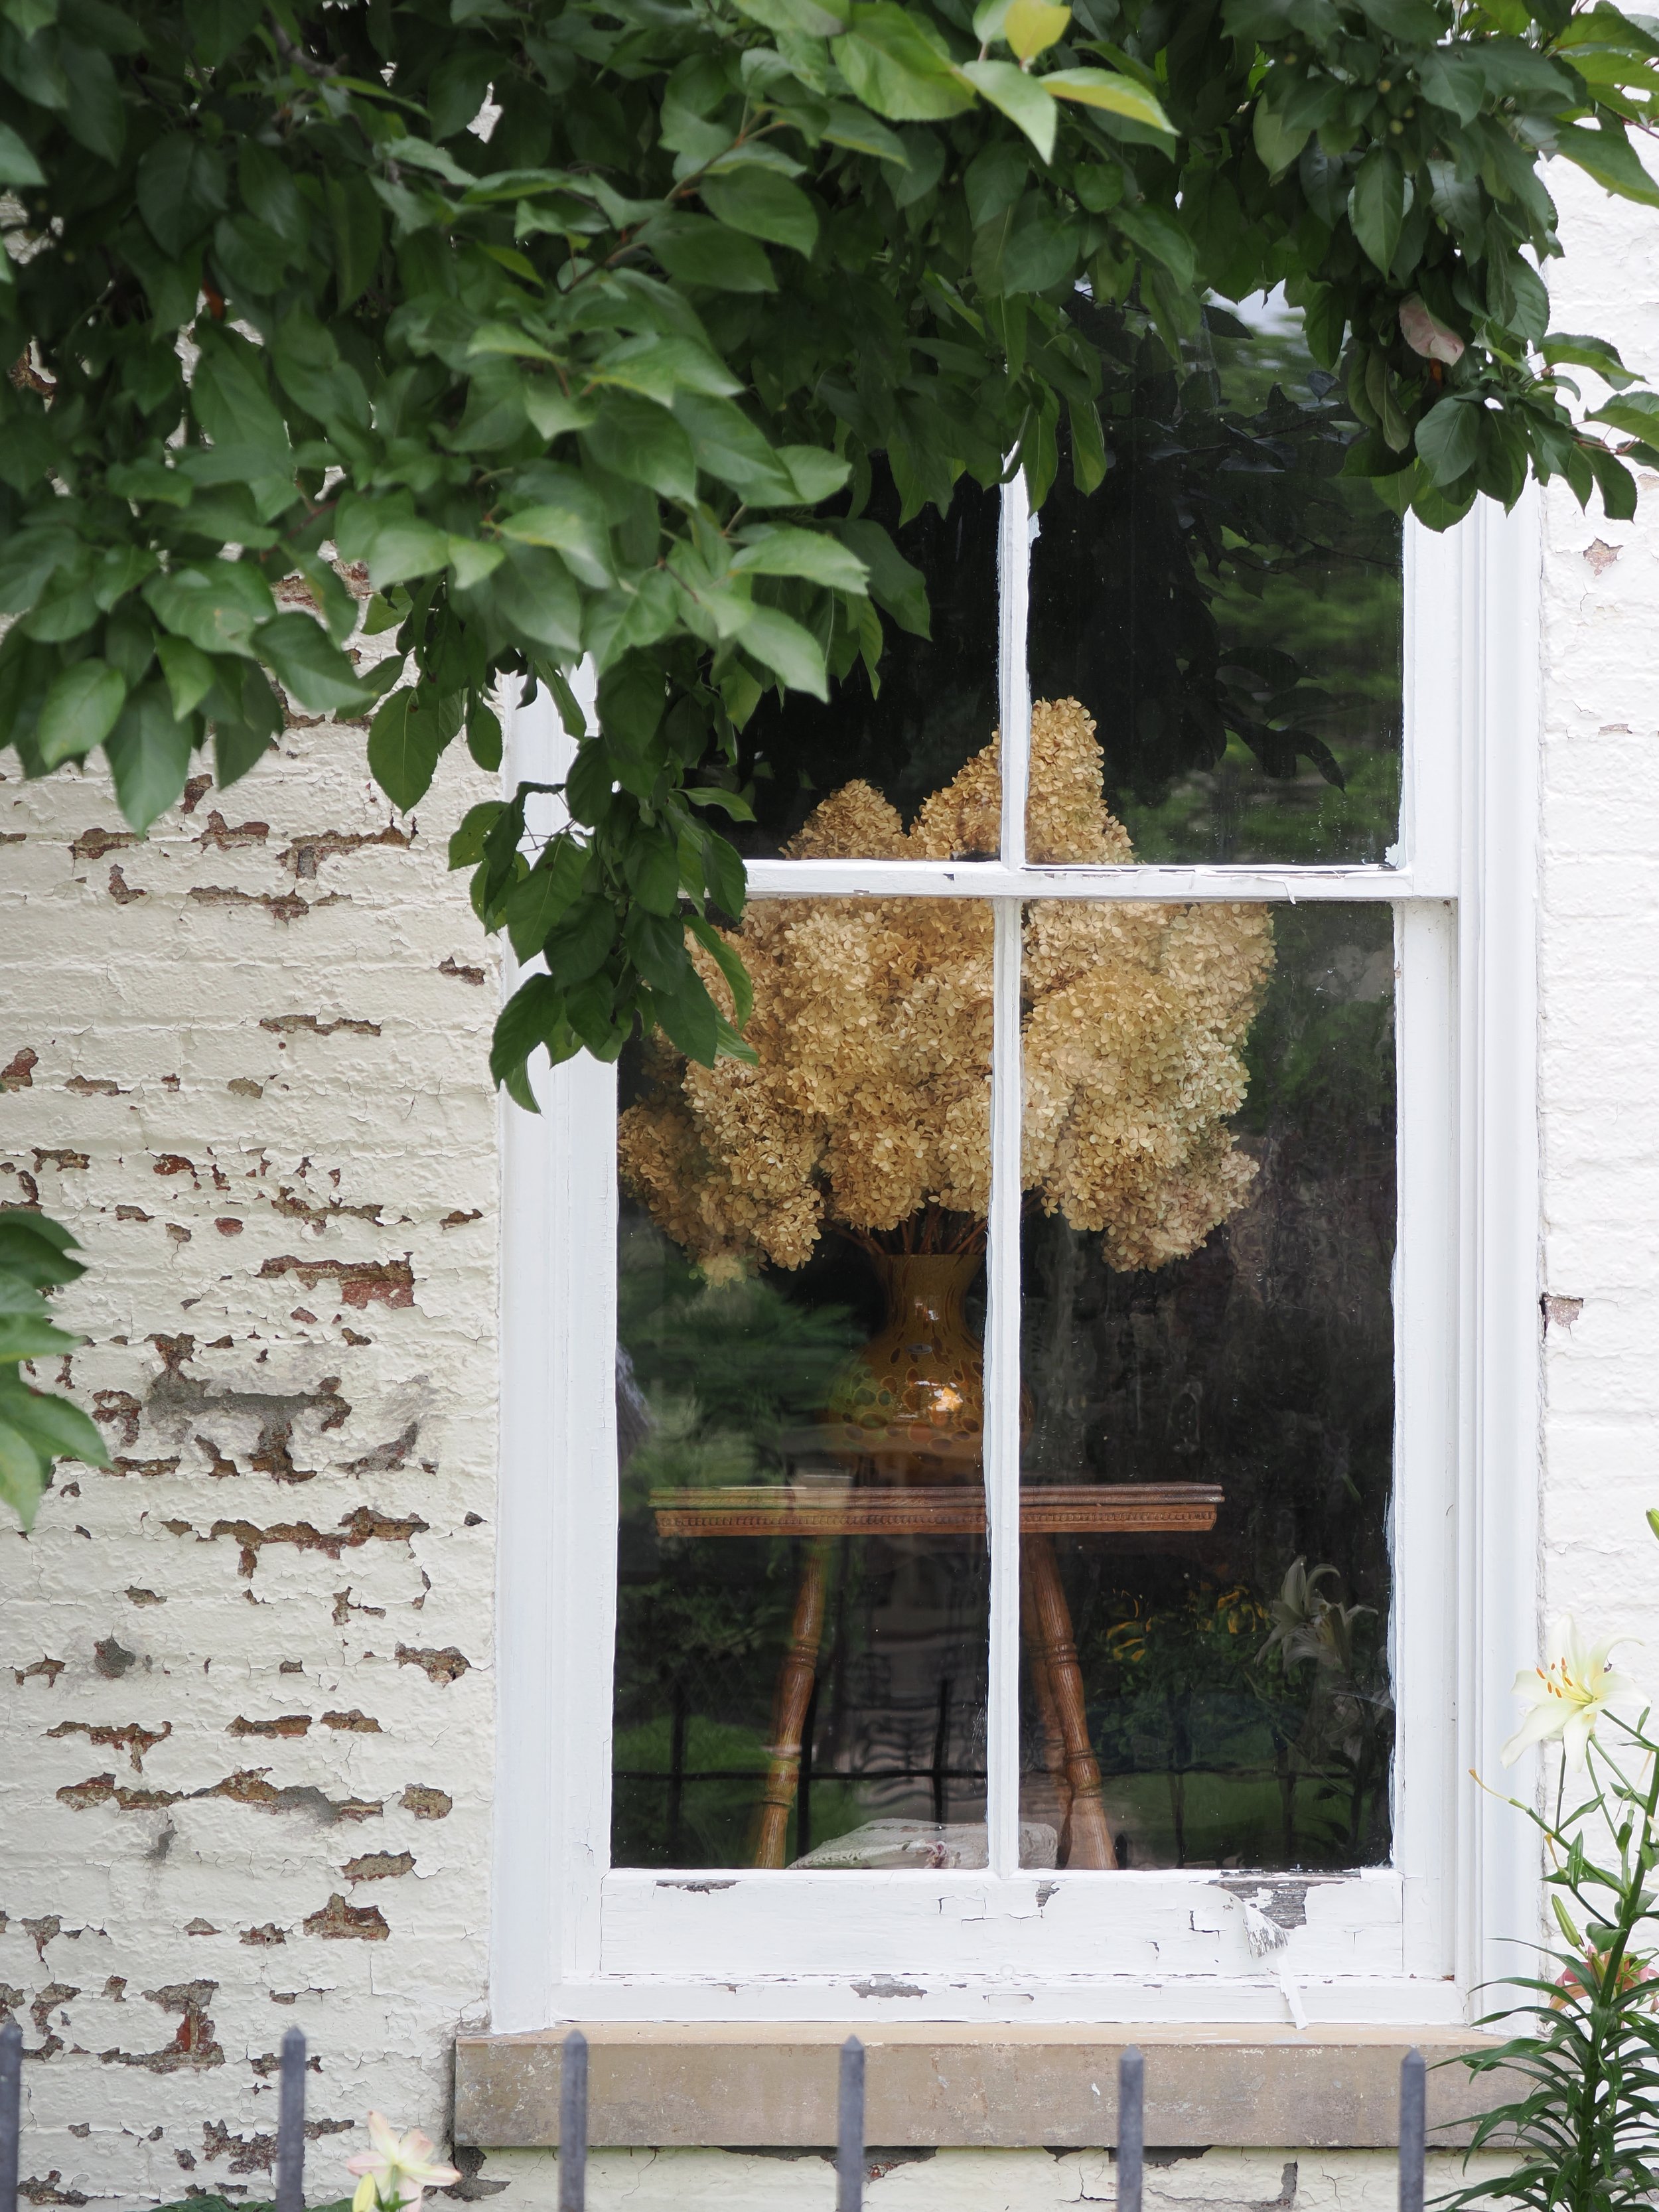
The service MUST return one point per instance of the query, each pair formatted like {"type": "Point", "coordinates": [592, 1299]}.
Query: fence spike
{"type": "Point", "coordinates": [849, 2128]}
{"type": "Point", "coordinates": [290, 2125]}
{"type": "Point", "coordinates": [1414, 2097]}
{"type": "Point", "coordinates": [1131, 2128]}
{"type": "Point", "coordinates": [573, 2123]}
{"type": "Point", "coordinates": [11, 2110]}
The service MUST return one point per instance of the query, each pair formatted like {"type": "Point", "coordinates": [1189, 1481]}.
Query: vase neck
{"type": "Point", "coordinates": [934, 1284]}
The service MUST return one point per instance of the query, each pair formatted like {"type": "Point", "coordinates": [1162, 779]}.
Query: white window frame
{"type": "Point", "coordinates": [1405, 1944]}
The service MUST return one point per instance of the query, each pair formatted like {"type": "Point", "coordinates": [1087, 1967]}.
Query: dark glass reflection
{"type": "Point", "coordinates": [932, 706]}
{"type": "Point", "coordinates": [723, 1391]}
{"type": "Point", "coordinates": [1235, 1681]}
{"type": "Point", "coordinates": [1227, 605]}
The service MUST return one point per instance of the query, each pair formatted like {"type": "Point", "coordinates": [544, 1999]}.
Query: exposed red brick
{"type": "Point", "coordinates": [51, 1668]}
{"type": "Point", "coordinates": [199, 1927]}
{"type": "Point", "coordinates": [93, 844]}
{"type": "Point", "coordinates": [143, 1467]}
{"type": "Point", "coordinates": [228, 1226]}
{"type": "Point", "coordinates": [284, 906]}
{"type": "Point", "coordinates": [121, 892]}
{"type": "Point", "coordinates": [94, 1086]}
{"type": "Point", "coordinates": [340, 1921]}
{"type": "Point", "coordinates": [458, 1220]}
{"type": "Point", "coordinates": [132, 1213]}
{"type": "Point", "coordinates": [195, 790]}
{"type": "Point", "coordinates": [172, 1164]}
{"type": "Point", "coordinates": [378, 1866]}
{"type": "Point", "coordinates": [42, 1932]}
{"type": "Point", "coordinates": [220, 835]}
{"type": "Point", "coordinates": [120, 1407]}
{"type": "Point", "coordinates": [54, 1994]}
{"type": "Point", "coordinates": [305, 854]}
{"type": "Point", "coordinates": [355, 1722]}
{"type": "Point", "coordinates": [96, 1789]}
{"type": "Point", "coordinates": [193, 2046]}
{"type": "Point", "coordinates": [284, 1724]}
{"type": "Point", "coordinates": [293, 1025]}
{"type": "Point", "coordinates": [18, 1073]}
{"type": "Point", "coordinates": [441, 1667]}
{"type": "Point", "coordinates": [426, 1803]}
{"type": "Point", "coordinates": [362, 1527]}
{"type": "Point", "coordinates": [450, 966]}
{"type": "Point", "coordinates": [289, 1203]}
{"type": "Point", "coordinates": [130, 1736]}
{"type": "Point", "coordinates": [356, 1282]}
{"type": "Point", "coordinates": [61, 1159]}
{"type": "Point", "coordinates": [47, 2191]}
{"type": "Point", "coordinates": [264, 1937]}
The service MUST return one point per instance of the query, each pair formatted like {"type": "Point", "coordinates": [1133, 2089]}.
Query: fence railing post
{"type": "Point", "coordinates": [11, 2110]}
{"type": "Point", "coordinates": [573, 2123]}
{"type": "Point", "coordinates": [849, 2128]}
{"type": "Point", "coordinates": [1414, 2096]}
{"type": "Point", "coordinates": [290, 2125]}
{"type": "Point", "coordinates": [1131, 2129]}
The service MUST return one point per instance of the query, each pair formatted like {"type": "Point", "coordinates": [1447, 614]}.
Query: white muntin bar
{"type": "Point", "coordinates": [998, 879]}
{"type": "Point", "coordinates": [1001, 1432]}
{"type": "Point", "coordinates": [1013, 682]}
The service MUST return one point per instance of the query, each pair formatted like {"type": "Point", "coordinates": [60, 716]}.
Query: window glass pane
{"type": "Point", "coordinates": [802, 1625]}
{"type": "Point", "coordinates": [1208, 1409]}
{"type": "Point", "coordinates": [932, 707]}
{"type": "Point", "coordinates": [1226, 607]}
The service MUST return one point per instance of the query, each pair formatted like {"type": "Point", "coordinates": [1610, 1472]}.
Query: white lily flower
{"type": "Point", "coordinates": [396, 2168]}
{"type": "Point", "coordinates": [1568, 1697]}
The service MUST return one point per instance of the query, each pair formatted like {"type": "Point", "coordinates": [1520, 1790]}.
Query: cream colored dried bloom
{"type": "Point", "coordinates": [873, 1025]}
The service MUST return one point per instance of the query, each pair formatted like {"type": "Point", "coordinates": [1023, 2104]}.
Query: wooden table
{"type": "Point", "coordinates": [824, 1512]}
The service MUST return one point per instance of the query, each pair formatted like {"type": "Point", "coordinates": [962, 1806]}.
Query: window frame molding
{"type": "Point", "coordinates": [572, 1940]}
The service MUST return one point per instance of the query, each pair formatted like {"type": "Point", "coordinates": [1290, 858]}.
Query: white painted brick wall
{"type": "Point", "coordinates": [244, 1060]}
{"type": "Point", "coordinates": [245, 1676]}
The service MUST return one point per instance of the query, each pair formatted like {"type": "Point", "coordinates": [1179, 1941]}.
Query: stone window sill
{"type": "Point", "coordinates": [950, 2085]}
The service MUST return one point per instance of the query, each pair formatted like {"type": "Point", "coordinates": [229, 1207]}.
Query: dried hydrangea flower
{"type": "Point", "coordinates": [869, 1104]}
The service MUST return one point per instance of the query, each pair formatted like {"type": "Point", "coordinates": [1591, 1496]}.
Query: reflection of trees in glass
{"type": "Point", "coordinates": [712, 1379]}
{"type": "Point", "coordinates": [1263, 1363]}
{"type": "Point", "coordinates": [1227, 604]}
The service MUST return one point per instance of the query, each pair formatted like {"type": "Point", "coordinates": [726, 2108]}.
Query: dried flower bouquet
{"type": "Point", "coordinates": [869, 1109]}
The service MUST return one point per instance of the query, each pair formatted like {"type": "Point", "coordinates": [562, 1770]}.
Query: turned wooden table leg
{"type": "Point", "coordinates": [789, 1703]}
{"type": "Point", "coordinates": [1053, 1656]}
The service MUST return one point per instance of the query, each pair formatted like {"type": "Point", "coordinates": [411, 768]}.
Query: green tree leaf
{"type": "Point", "coordinates": [308, 666]}
{"type": "Point", "coordinates": [776, 549]}
{"type": "Point", "coordinates": [1111, 93]}
{"type": "Point", "coordinates": [181, 186]}
{"type": "Point", "coordinates": [17, 165]}
{"type": "Point", "coordinates": [404, 747]}
{"type": "Point", "coordinates": [149, 753]}
{"type": "Point", "coordinates": [646, 445]}
{"type": "Point", "coordinates": [216, 604]}
{"type": "Point", "coordinates": [1022, 99]}
{"type": "Point", "coordinates": [761, 203]}
{"type": "Point", "coordinates": [1377, 205]}
{"type": "Point", "coordinates": [793, 653]}
{"type": "Point", "coordinates": [896, 63]}
{"type": "Point", "coordinates": [698, 250]}
{"type": "Point", "coordinates": [79, 712]}
{"type": "Point", "coordinates": [1449, 438]}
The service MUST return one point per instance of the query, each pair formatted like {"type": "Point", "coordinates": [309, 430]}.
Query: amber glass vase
{"type": "Point", "coordinates": [909, 1409]}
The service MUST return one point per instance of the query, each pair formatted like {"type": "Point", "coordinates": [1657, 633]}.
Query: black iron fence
{"type": "Point", "coordinates": [572, 2125]}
